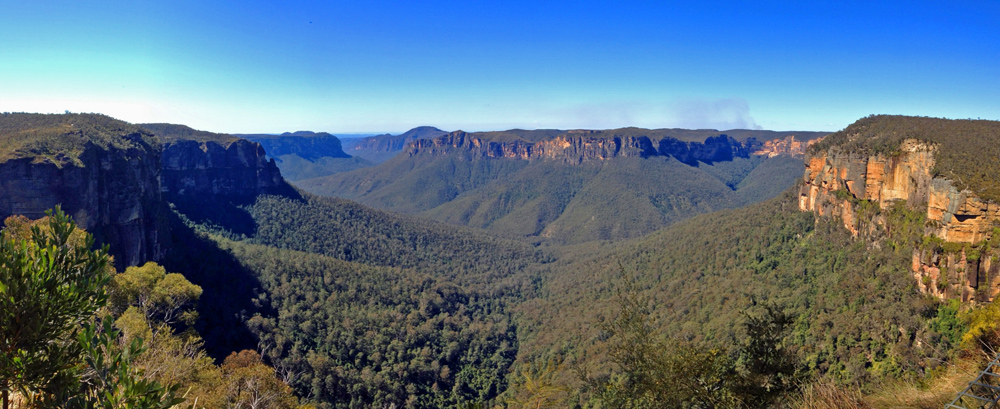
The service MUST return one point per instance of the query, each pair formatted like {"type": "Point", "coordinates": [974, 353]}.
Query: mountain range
{"type": "Point", "coordinates": [877, 251]}
{"type": "Point", "coordinates": [557, 185]}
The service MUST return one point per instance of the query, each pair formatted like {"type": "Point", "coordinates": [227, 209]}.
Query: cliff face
{"type": "Point", "coordinates": [112, 193]}
{"type": "Point", "coordinates": [582, 146]}
{"type": "Point", "coordinates": [395, 143]}
{"type": "Point", "coordinates": [210, 170]}
{"type": "Point", "coordinates": [785, 146]}
{"type": "Point", "coordinates": [954, 216]}
{"type": "Point", "coordinates": [835, 181]}
{"type": "Point", "coordinates": [307, 145]}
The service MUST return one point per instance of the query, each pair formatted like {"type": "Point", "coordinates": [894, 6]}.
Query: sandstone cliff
{"type": "Point", "coordinates": [576, 147]}
{"type": "Point", "coordinates": [307, 145]}
{"type": "Point", "coordinates": [208, 171]}
{"type": "Point", "coordinates": [396, 143]}
{"type": "Point", "coordinates": [838, 182]}
{"type": "Point", "coordinates": [788, 145]}
{"type": "Point", "coordinates": [104, 173]}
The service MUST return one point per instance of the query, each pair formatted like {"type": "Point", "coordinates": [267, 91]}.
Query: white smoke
{"type": "Point", "coordinates": [728, 113]}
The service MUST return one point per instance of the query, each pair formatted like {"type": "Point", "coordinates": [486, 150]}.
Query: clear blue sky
{"type": "Point", "coordinates": [368, 66]}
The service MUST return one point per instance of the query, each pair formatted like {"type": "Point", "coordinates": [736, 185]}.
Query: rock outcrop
{"type": "Point", "coordinates": [307, 145]}
{"type": "Point", "coordinates": [113, 193]}
{"type": "Point", "coordinates": [785, 146]}
{"type": "Point", "coordinates": [212, 171]}
{"type": "Point", "coordinates": [396, 143]}
{"type": "Point", "coordinates": [836, 181]}
{"type": "Point", "coordinates": [576, 147]}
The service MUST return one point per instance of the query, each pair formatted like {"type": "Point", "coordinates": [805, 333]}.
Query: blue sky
{"type": "Point", "coordinates": [368, 66]}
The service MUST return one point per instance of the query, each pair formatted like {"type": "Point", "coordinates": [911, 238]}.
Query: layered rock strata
{"type": "Point", "coordinates": [112, 193]}
{"type": "Point", "coordinates": [584, 146]}
{"type": "Point", "coordinates": [836, 180]}
{"type": "Point", "coordinates": [209, 170]}
{"type": "Point", "coordinates": [785, 146]}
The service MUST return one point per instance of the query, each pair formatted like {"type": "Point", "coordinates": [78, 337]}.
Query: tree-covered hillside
{"type": "Point", "coordinates": [360, 307]}
{"type": "Point", "coordinates": [550, 200]}
{"type": "Point", "coordinates": [857, 314]}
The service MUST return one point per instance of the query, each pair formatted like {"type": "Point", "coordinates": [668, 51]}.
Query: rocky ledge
{"type": "Point", "coordinates": [962, 265]}
{"type": "Point", "coordinates": [577, 147]}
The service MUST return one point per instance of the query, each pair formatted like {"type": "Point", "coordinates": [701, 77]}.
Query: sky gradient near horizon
{"type": "Point", "coordinates": [371, 66]}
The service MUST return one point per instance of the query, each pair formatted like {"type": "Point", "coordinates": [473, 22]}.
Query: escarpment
{"type": "Point", "coordinates": [956, 258]}
{"type": "Point", "coordinates": [576, 147]}
{"type": "Point", "coordinates": [307, 145]}
{"type": "Point", "coordinates": [103, 172]}
{"type": "Point", "coordinates": [237, 170]}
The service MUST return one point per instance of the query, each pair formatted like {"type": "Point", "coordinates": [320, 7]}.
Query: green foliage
{"type": "Point", "coordinates": [295, 168]}
{"type": "Point", "coordinates": [948, 324]}
{"type": "Point", "coordinates": [857, 314]}
{"type": "Point", "coordinates": [538, 387]}
{"type": "Point", "coordinates": [161, 297]}
{"type": "Point", "coordinates": [351, 335]}
{"type": "Point", "coordinates": [53, 354]}
{"type": "Point", "coordinates": [350, 232]}
{"type": "Point", "coordinates": [114, 382]}
{"type": "Point", "coordinates": [658, 372]}
{"type": "Point", "coordinates": [665, 372]}
{"type": "Point", "coordinates": [843, 194]}
{"type": "Point", "coordinates": [952, 247]}
{"type": "Point", "coordinates": [552, 200]}
{"type": "Point", "coordinates": [983, 325]}
{"type": "Point", "coordinates": [49, 287]}
{"type": "Point", "coordinates": [172, 133]}
{"type": "Point", "coordinates": [251, 384]}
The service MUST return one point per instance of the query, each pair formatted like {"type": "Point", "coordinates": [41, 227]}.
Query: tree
{"type": "Point", "coordinates": [50, 284]}
{"type": "Point", "coordinates": [252, 385]}
{"type": "Point", "coordinates": [54, 352]}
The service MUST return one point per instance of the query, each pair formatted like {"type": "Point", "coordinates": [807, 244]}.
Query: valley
{"type": "Point", "coordinates": [547, 268]}
{"type": "Point", "coordinates": [556, 186]}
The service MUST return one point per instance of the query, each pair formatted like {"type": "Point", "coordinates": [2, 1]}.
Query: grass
{"type": "Point", "coordinates": [933, 393]}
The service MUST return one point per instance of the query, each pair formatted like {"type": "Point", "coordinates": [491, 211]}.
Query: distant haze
{"type": "Point", "coordinates": [362, 67]}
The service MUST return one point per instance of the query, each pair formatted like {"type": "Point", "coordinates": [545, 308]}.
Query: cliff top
{"type": "Point", "coordinates": [61, 138]}
{"type": "Point", "coordinates": [171, 133]}
{"type": "Point", "coordinates": [968, 150]}
{"type": "Point", "coordinates": [685, 135]}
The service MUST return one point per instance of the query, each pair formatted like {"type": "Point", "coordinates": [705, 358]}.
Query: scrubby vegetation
{"type": "Point", "coordinates": [61, 139]}
{"type": "Point", "coordinates": [968, 152]}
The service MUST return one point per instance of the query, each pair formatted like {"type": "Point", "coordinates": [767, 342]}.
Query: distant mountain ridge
{"type": "Point", "coordinates": [307, 154]}
{"type": "Point", "coordinates": [580, 146]}
{"type": "Point", "coordinates": [583, 145]}
{"type": "Point", "coordinates": [556, 185]}
{"type": "Point", "coordinates": [380, 148]}
{"type": "Point", "coordinates": [308, 145]}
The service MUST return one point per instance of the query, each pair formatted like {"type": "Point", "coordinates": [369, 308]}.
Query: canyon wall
{"type": "Point", "coordinates": [307, 145]}
{"type": "Point", "coordinates": [236, 170]}
{"type": "Point", "coordinates": [788, 145]}
{"type": "Point", "coordinates": [112, 193]}
{"type": "Point", "coordinates": [577, 147]}
{"type": "Point", "coordinates": [837, 181]}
